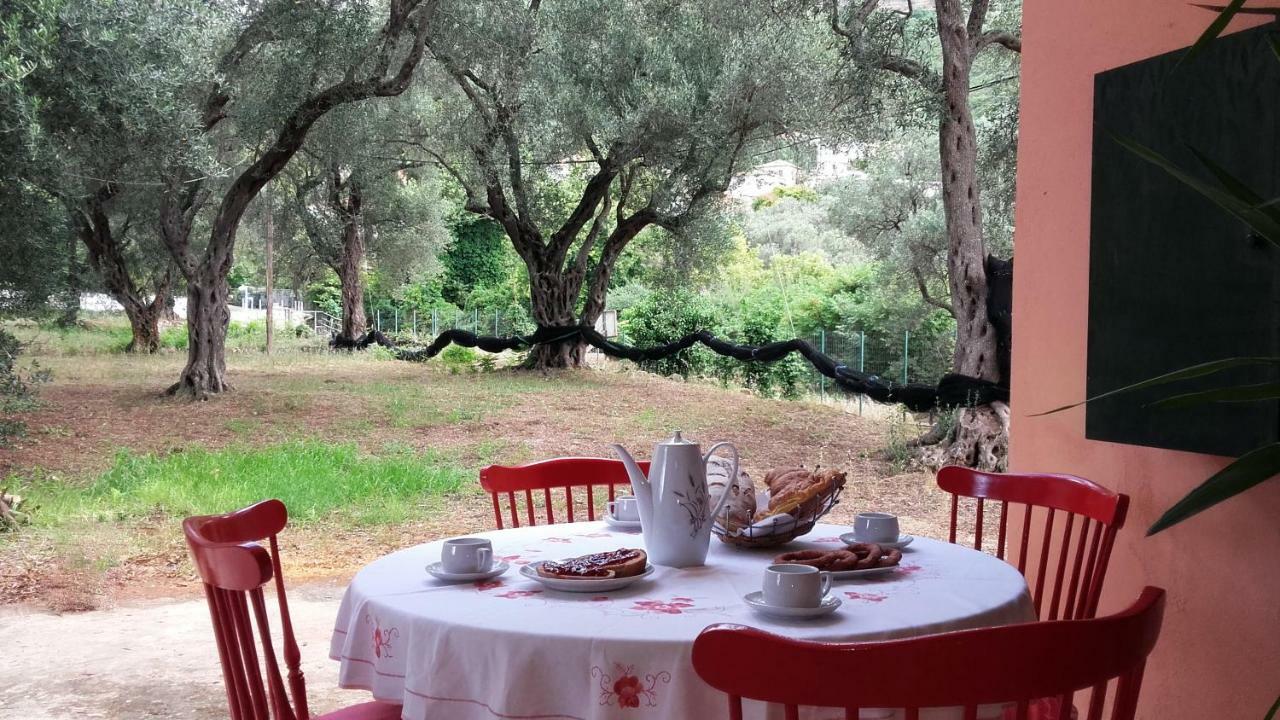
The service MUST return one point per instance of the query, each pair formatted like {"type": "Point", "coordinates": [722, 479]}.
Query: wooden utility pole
{"type": "Point", "coordinates": [271, 231]}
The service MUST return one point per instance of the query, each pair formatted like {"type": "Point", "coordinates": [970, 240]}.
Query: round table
{"type": "Point", "coordinates": [510, 648]}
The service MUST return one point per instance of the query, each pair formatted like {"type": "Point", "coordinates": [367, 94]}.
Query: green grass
{"type": "Point", "coordinates": [316, 480]}
{"type": "Point", "coordinates": [109, 334]}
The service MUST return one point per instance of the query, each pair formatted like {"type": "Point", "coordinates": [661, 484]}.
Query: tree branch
{"type": "Point", "coordinates": [925, 295]}
{"type": "Point", "coordinates": [1010, 41]}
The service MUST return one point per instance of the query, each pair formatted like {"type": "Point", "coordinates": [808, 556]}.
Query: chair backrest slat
{"type": "Point", "coordinates": [497, 511]}
{"type": "Point", "coordinates": [1062, 566]}
{"type": "Point", "coordinates": [1069, 611]}
{"type": "Point", "coordinates": [234, 567]}
{"type": "Point", "coordinates": [1004, 666]}
{"type": "Point", "coordinates": [553, 477]}
{"type": "Point", "coordinates": [1004, 526]}
{"type": "Point", "coordinates": [977, 526]}
{"type": "Point", "coordinates": [1038, 595]}
{"type": "Point", "coordinates": [1026, 540]}
{"type": "Point", "coordinates": [1101, 515]}
{"type": "Point", "coordinates": [1082, 602]}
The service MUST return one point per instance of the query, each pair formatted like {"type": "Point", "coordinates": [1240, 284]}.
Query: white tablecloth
{"type": "Point", "coordinates": [510, 648]}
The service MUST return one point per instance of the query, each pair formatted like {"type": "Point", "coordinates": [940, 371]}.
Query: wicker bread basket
{"type": "Point", "coordinates": [782, 528]}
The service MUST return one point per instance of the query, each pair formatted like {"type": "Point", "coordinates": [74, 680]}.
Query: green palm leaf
{"type": "Point", "coordinates": [1243, 473]}
{"type": "Point", "coordinates": [1239, 393]}
{"type": "Point", "coordinates": [1243, 206]}
{"type": "Point", "coordinates": [1186, 373]}
{"type": "Point", "coordinates": [1211, 33]}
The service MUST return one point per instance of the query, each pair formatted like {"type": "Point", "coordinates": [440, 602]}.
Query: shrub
{"type": "Point", "coordinates": [17, 387]}
{"type": "Point", "coordinates": [457, 358]}
{"type": "Point", "coordinates": [666, 316]}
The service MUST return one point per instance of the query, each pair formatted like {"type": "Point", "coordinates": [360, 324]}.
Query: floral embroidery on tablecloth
{"type": "Point", "coordinates": [601, 598]}
{"type": "Point", "coordinates": [868, 597]}
{"type": "Point", "coordinates": [558, 540]}
{"type": "Point", "coordinates": [383, 638]}
{"type": "Point", "coordinates": [627, 689]}
{"type": "Point", "coordinates": [515, 559]}
{"type": "Point", "coordinates": [483, 585]}
{"type": "Point", "coordinates": [827, 540]}
{"type": "Point", "coordinates": [594, 535]}
{"type": "Point", "coordinates": [675, 606]}
{"type": "Point", "coordinates": [514, 594]}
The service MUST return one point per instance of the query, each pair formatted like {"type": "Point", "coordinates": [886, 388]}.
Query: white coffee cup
{"type": "Point", "coordinates": [467, 555]}
{"type": "Point", "coordinates": [797, 586]}
{"type": "Point", "coordinates": [875, 527]}
{"type": "Point", "coordinates": [624, 508]}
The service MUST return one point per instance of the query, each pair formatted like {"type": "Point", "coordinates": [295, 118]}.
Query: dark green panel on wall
{"type": "Point", "coordinates": [1173, 279]}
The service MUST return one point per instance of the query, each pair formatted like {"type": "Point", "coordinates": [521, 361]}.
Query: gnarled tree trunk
{"type": "Point", "coordinates": [981, 435]}
{"type": "Point", "coordinates": [554, 297]}
{"type": "Point", "coordinates": [354, 322]}
{"type": "Point", "coordinates": [207, 318]}
{"type": "Point", "coordinates": [107, 257]}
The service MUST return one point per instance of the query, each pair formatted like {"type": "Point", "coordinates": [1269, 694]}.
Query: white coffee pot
{"type": "Point", "coordinates": [676, 512]}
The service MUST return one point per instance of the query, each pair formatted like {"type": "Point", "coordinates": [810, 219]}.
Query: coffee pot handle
{"type": "Point", "coordinates": [733, 476]}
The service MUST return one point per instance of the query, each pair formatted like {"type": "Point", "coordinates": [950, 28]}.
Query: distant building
{"type": "Point", "coordinates": [834, 163]}
{"type": "Point", "coordinates": [764, 179]}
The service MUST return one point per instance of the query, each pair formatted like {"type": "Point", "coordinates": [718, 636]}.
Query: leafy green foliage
{"type": "Point", "coordinates": [665, 316]}
{"type": "Point", "coordinates": [17, 387]}
{"type": "Point", "coordinates": [479, 258]}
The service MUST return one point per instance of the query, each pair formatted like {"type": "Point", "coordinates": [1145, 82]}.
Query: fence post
{"type": "Point", "coordinates": [415, 324]}
{"type": "Point", "coordinates": [496, 315]}
{"type": "Point", "coordinates": [435, 322]}
{"type": "Point", "coordinates": [822, 379]}
{"type": "Point", "coordinates": [906, 354]}
{"type": "Point", "coordinates": [862, 362]}
{"type": "Point", "coordinates": [377, 319]}
{"type": "Point", "coordinates": [397, 311]}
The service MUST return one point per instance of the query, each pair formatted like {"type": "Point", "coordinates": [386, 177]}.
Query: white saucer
{"type": "Point", "coordinates": [611, 521]}
{"type": "Point", "coordinates": [585, 584]}
{"type": "Point", "coordinates": [903, 541]}
{"type": "Point", "coordinates": [438, 570]}
{"type": "Point", "coordinates": [755, 601]}
{"type": "Point", "coordinates": [855, 574]}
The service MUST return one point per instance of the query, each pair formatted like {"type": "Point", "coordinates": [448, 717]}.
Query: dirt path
{"type": "Point", "coordinates": [152, 660]}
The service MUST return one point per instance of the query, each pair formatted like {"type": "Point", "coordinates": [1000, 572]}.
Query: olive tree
{"type": "Point", "coordinates": [310, 59]}
{"type": "Point", "coordinates": [577, 124]}
{"type": "Point", "coordinates": [886, 38]}
{"type": "Point", "coordinates": [365, 200]}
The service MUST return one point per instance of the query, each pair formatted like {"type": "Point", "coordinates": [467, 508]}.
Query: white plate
{"type": "Point", "coordinates": [855, 574]}
{"type": "Point", "coordinates": [755, 601]}
{"type": "Point", "coordinates": [611, 521]}
{"type": "Point", "coordinates": [438, 570]}
{"type": "Point", "coordinates": [903, 541]}
{"type": "Point", "coordinates": [583, 585]}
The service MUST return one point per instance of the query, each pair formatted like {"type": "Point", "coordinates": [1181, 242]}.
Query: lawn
{"type": "Point", "coordinates": [369, 454]}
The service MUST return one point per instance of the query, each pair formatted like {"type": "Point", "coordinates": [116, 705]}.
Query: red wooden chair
{"type": "Point", "coordinates": [1101, 512]}
{"type": "Point", "coordinates": [234, 568]}
{"type": "Point", "coordinates": [1034, 667]}
{"type": "Point", "coordinates": [548, 475]}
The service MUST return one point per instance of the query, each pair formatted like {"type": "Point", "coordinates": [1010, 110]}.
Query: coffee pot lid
{"type": "Point", "coordinates": [677, 439]}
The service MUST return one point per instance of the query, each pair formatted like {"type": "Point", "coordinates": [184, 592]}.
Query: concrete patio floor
{"type": "Point", "coordinates": [152, 660]}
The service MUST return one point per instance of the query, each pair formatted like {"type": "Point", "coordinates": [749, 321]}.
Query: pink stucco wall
{"type": "Point", "coordinates": [1219, 655]}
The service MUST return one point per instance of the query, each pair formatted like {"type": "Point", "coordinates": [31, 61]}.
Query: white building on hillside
{"type": "Point", "coordinates": [833, 163]}
{"type": "Point", "coordinates": [764, 179]}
